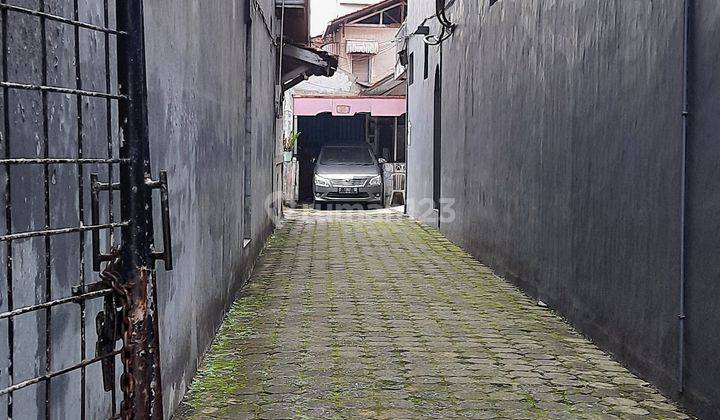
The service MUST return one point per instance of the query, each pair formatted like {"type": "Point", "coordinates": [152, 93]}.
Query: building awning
{"type": "Point", "coordinates": [377, 106]}
{"type": "Point", "coordinates": [301, 62]}
{"type": "Point", "coordinates": [296, 25]}
{"type": "Point", "coordinates": [388, 86]}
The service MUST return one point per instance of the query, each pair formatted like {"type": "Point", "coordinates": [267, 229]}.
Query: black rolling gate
{"type": "Point", "coordinates": [78, 276]}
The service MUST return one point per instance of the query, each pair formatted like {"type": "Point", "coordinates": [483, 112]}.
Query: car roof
{"type": "Point", "coordinates": [346, 146]}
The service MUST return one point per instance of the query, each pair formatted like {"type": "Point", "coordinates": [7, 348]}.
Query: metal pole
{"type": "Point", "coordinates": [395, 139]}
{"type": "Point", "coordinates": [5, 138]}
{"type": "Point", "coordinates": [280, 92]}
{"type": "Point", "coordinates": [138, 237]}
{"type": "Point", "coordinates": [140, 381]}
{"type": "Point", "coordinates": [280, 58]}
{"type": "Point", "coordinates": [683, 194]}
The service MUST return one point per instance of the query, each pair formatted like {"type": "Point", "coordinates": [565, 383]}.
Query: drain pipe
{"type": "Point", "coordinates": [683, 193]}
{"type": "Point", "coordinates": [281, 91]}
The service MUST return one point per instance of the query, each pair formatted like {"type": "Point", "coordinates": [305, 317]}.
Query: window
{"type": "Point", "coordinates": [411, 69]}
{"type": "Point", "coordinates": [370, 20]}
{"type": "Point", "coordinates": [427, 54]}
{"type": "Point", "coordinates": [361, 68]}
{"type": "Point", "coordinates": [394, 15]}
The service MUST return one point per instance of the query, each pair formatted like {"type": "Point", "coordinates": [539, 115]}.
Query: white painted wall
{"type": "Point", "coordinates": [323, 11]}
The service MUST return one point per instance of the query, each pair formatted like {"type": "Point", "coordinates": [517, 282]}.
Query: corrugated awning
{"type": "Point", "coordinates": [377, 106]}
{"type": "Point", "coordinates": [301, 62]}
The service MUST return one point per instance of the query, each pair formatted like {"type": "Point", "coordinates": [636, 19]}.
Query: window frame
{"type": "Point", "coordinates": [403, 16]}
{"type": "Point", "coordinates": [411, 69]}
{"type": "Point", "coordinates": [354, 58]}
{"type": "Point", "coordinates": [426, 68]}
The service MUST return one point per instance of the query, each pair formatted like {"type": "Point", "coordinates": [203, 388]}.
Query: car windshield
{"type": "Point", "coordinates": [346, 156]}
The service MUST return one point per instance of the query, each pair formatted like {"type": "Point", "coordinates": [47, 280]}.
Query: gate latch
{"type": "Point", "coordinates": [162, 185]}
{"type": "Point", "coordinates": [95, 188]}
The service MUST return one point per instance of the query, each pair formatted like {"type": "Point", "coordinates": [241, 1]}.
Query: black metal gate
{"type": "Point", "coordinates": [74, 167]}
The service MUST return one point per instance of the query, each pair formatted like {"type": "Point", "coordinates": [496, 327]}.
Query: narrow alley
{"type": "Point", "coordinates": [373, 315]}
{"type": "Point", "coordinates": [201, 209]}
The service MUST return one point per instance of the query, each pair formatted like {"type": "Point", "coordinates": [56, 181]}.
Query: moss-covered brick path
{"type": "Point", "coordinates": [371, 315]}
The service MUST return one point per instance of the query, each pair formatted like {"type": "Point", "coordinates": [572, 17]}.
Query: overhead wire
{"type": "Point", "coordinates": [447, 26]}
{"type": "Point", "coordinates": [440, 11]}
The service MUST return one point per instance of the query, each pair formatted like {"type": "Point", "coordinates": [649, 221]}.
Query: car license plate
{"type": "Point", "coordinates": [347, 190]}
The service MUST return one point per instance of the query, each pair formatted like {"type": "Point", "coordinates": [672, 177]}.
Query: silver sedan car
{"type": "Point", "coordinates": [347, 173]}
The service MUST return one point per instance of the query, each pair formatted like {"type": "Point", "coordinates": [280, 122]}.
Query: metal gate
{"type": "Point", "coordinates": [78, 284]}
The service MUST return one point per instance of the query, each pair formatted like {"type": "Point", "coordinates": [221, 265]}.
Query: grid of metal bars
{"type": "Point", "coordinates": [7, 13]}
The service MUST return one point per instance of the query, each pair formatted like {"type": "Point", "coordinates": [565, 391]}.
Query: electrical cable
{"type": "Point", "coordinates": [447, 26]}
{"type": "Point", "coordinates": [438, 39]}
{"type": "Point", "coordinates": [440, 12]}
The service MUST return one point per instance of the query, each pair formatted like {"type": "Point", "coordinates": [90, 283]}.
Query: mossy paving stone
{"type": "Point", "coordinates": [276, 397]}
{"type": "Point", "coordinates": [359, 403]}
{"type": "Point", "coordinates": [276, 412]}
{"type": "Point", "coordinates": [518, 414]}
{"type": "Point", "coordinates": [524, 376]}
{"type": "Point", "coordinates": [372, 315]}
{"type": "Point", "coordinates": [631, 412]}
{"type": "Point", "coordinates": [476, 414]}
{"type": "Point", "coordinates": [546, 396]}
{"type": "Point", "coordinates": [237, 413]}
{"type": "Point", "coordinates": [394, 414]}
{"type": "Point", "coordinates": [657, 406]}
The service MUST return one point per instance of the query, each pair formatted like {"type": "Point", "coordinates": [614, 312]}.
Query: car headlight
{"type": "Point", "coordinates": [375, 181]}
{"type": "Point", "coordinates": [321, 182]}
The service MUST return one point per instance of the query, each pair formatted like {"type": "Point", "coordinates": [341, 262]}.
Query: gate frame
{"type": "Point", "coordinates": [128, 280]}
{"type": "Point", "coordinates": [141, 380]}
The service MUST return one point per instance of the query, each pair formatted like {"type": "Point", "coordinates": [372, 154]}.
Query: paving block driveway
{"type": "Point", "coordinates": [372, 315]}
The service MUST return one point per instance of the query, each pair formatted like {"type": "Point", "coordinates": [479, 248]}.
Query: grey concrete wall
{"type": "Point", "coordinates": [703, 224]}
{"type": "Point", "coordinates": [562, 150]}
{"type": "Point", "coordinates": [196, 62]}
{"type": "Point", "coordinates": [420, 117]}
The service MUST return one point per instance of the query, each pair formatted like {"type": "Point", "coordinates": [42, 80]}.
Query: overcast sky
{"type": "Point", "coordinates": [321, 13]}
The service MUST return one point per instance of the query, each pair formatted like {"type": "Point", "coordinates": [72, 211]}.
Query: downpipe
{"type": "Point", "coordinates": [280, 91]}
{"type": "Point", "coordinates": [683, 193]}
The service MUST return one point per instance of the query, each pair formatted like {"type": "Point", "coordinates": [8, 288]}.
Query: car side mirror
{"type": "Point", "coordinates": [382, 161]}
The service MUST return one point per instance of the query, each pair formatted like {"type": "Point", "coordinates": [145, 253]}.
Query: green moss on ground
{"type": "Point", "coordinates": [222, 373]}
